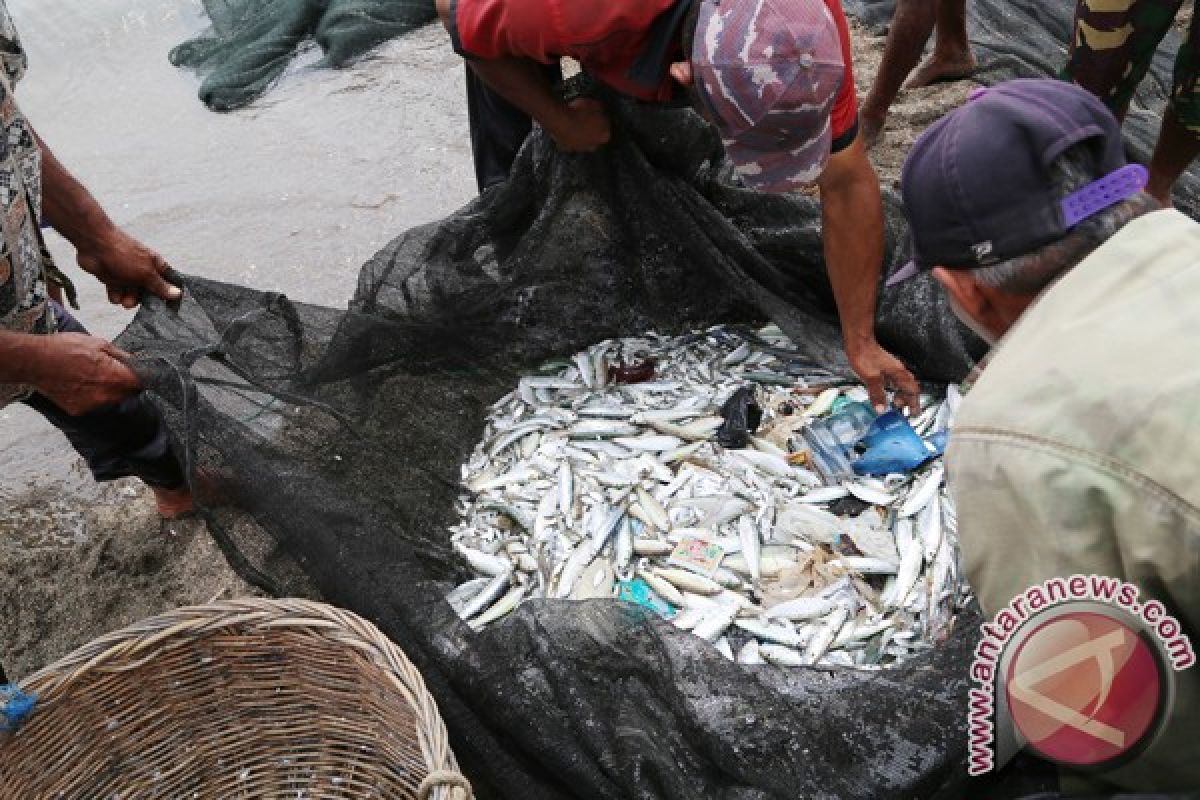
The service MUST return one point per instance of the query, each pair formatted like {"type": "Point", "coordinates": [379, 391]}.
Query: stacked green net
{"type": "Point", "coordinates": [251, 42]}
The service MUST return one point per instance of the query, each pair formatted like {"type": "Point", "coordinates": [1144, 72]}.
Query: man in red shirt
{"type": "Point", "coordinates": [774, 77]}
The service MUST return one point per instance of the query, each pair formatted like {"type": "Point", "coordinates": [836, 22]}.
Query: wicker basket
{"type": "Point", "coordinates": [241, 699]}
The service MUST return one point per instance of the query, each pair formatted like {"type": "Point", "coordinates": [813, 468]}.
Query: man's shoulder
{"type": "Point", "coordinates": [1105, 319]}
{"type": "Point", "coordinates": [1102, 366]}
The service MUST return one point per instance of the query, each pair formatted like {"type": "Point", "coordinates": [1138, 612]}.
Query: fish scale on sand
{"type": "Point", "coordinates": [583, 485]}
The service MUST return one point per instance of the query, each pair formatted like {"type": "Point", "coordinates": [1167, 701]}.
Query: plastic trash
{"type": "Point", "coordinates": [15, 707]}
{"type": "Point", "coordinates": [640, 372]}
{"type": "Point", "coordinates": [742, 417]}
{"type": "Point", "coordinates": [697, 555]}
{"type": "Point", "coordinates": [892, 446]}
{"type": "Point", "coordinates": [638, 592]}
{"type": "Point", "coordinates": [831, 440]}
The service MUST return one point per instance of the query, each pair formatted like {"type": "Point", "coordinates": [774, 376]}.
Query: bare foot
{"type": "Point", "coordinates": [173, 503]}
{"type": "Point", "coordinates": [942, 68]}
{"type": "Point", "coordinates": [871, 130]}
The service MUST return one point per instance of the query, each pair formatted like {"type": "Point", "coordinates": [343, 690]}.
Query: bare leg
{"type": "Point", "coordinates": [911, 27]}
{"type": "Point", "coordinates": [952, 58]}
{"type": "Point", "coordinates": [1177, 148]}
{"type": "Point", "coordinates": [173, 502]}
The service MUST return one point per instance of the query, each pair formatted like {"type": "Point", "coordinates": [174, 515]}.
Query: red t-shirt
{"type": "Point", "coordinates": [845, 108]}
{"type": "Point", "coordinates": [606, 37]}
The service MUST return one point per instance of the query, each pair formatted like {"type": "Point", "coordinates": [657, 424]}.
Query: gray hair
{"type": "Point", "coordinates": [1030, 273]}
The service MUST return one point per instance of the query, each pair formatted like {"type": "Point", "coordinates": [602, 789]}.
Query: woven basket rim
{"type": "Point", "coordinates": [136, 645]}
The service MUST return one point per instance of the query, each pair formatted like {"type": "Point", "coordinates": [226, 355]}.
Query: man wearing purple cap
{"type": "Point", "coordinates": [774, 76]}
{"type": "Point", "coordinates": [1074, 452]}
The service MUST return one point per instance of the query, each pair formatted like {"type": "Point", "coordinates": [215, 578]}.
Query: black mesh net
{"type": "Point", "coordinates": [341, 434]}
{"type": "Point", "coordinates": [325, 445]}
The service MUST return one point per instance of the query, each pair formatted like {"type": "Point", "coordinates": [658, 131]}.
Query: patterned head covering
{"type": "Point", "coordinates": [767, 73]}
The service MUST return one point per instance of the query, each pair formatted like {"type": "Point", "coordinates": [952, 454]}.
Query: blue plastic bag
{"type": "Point", "coordinates": [15, 707]}
{"type": "Point", "coordinates": [892, 446]}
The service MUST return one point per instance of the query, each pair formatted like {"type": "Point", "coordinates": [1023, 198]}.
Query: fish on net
{"type": "Point", "coordinates": [587, 484]}
{"type": "Point", "coordinates": [328, 446]}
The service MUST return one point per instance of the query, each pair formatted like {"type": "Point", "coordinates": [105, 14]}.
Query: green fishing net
{"type": "Point", "coordinates": [251, 42]}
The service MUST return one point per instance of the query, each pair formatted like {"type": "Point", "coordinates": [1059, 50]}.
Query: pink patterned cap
{"type": "Point", "coordinates": [768, 73]}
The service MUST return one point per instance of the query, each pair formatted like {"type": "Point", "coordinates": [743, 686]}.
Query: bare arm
{"type": "Point", "coordinates": [19, 357]}
{"type": "Point", "coordinates": [120, 262]}
{"type": "Point", "coordinates": [578, 126]}
{"type": "Point", "coordinates": [76, 372]}
{"type": "Point", "coordinates": [852, 221]}
{"type": "Point", "coordinates": [67, 206]}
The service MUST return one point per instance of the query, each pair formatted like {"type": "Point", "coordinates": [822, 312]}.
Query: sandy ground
{"type": "Point", "coordinates": [208, 191]}
{"type": "Point", "coordinates": [912, 112]}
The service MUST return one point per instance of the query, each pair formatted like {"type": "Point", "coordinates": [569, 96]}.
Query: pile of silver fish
{"type": "Point", "coordinates": [585, 486]}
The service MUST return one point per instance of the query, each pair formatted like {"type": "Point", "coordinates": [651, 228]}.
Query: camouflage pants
{"type": "Point", "coordinates": [1113, 46]}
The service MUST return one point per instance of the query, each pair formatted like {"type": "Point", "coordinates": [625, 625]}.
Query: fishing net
{"type": "Point", "coordinates": [251, 42]}
{"type": "Point", "coordinates": [1027, 39]}
{"type": "Point", "coordinates": [341, 434]}
{"type": "Point", "coordinates": [329, 442]}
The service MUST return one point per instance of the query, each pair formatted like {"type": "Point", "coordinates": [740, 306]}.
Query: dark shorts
{"type": "Point", "coordinates": [498, 128]}
{"type": "Point", "coordinates": [117, 441]}
{"type": "Point", "coordinates": [1112, 49]}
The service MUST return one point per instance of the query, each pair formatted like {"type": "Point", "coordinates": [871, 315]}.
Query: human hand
{"type": "Point", "coordinates": [880, 370]}
{"type": "Point", "coordinates": [584, 126]}
{"type": "Point", "coordinates": [127, 267]}
{"type": "Point", "coordinates": [80, 373]}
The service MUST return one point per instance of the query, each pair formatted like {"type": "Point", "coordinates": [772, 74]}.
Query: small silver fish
{"type": "Point", "coordinates": [800, 609]}
{"type": "Point", "coordinates": [502, 607]}
{"type": "Point", "coordinates": [488, 595]}
{"type": "Point", "coordinates": [716, 623]}
{"type": "Point", "coordinates": [869, 494]}
{"type": "Point", "coordinates": [923, 492]}
{"type": "Point", "coordinates": [751, 547]}
{"type": "Point", "coordinates": [782, 656]}
{"type": "Point", "coordinates": [463, 593]}
{"type": "Point", "coordinates": [823, 638]}
{"type": "Point", "coordinates": [482, 562]}
{"type": "Point", "coordinates": [575, 478]}
{"type": "Point", "coordinates": [689, 581]}
{"type": "Point", "coordinates": [649, 444]}
{"type": "Point", "coordinates": [662, 587]}
{"type": "Point", "coordinates": [824, 494]}
{"type": "Point", "coordinates": [766, 631]}
{"type": "Point", "coordinates": [749, 653]}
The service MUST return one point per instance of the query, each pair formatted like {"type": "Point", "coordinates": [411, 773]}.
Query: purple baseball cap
{"type": "Point", "coordinates": [977, 185]}
{"type": "Point", "coordinates": [768, 73]}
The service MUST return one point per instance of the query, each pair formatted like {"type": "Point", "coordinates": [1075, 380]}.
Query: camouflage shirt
{"type": "Point", "coordinates": [22, 270]}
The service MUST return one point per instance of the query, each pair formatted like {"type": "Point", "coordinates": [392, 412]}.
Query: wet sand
{"type": "Point", "coordinates": [292, 195]}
